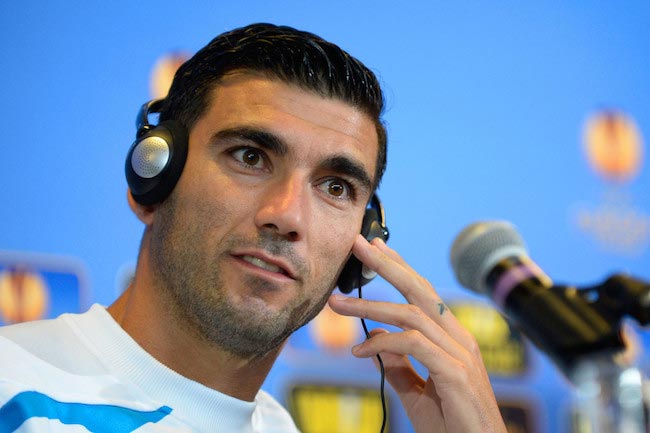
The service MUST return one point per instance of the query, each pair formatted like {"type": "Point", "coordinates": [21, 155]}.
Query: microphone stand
{"type": "Point", "coordinates": [609, 393]}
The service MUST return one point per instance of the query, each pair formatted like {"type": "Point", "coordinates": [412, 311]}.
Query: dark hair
{"type": "Point", "coordinates": [293, 56]}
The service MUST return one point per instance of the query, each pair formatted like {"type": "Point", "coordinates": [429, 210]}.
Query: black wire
{"type": "Point", "coordinates": [381, 369]}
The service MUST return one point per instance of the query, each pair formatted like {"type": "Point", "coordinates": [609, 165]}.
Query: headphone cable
{"type": "Point", "coordinates": [381, 368]}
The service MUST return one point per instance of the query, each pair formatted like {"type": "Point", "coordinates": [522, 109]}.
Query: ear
{"type": "Point", "coordinates": [144, 213]}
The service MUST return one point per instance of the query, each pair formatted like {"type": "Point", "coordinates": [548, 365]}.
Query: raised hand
{"type": "Point", "coordinates": [456, 397]}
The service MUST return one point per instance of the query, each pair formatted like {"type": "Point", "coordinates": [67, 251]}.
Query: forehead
{"type": "Point", "coordinates": [296, 115]}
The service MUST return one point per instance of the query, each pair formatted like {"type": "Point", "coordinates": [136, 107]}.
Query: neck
{"type": "Point", "coordinates": [149, 319]}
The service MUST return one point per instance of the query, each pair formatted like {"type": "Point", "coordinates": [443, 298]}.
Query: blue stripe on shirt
{"type": "Point", "coordinates": [97, 418]}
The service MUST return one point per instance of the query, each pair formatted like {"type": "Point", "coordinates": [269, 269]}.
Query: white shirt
{"type": "Point", "coordinates": [85, 370]}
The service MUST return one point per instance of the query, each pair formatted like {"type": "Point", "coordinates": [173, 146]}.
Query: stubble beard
{"type": "Point", "coordinates": [192, 281]}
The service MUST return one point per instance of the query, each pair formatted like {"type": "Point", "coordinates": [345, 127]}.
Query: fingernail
{"type": "Point", "coordinates": [338, 297]}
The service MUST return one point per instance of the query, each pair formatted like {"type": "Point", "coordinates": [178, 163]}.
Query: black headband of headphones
{"type": "Point", "coordinates": [142, 119]}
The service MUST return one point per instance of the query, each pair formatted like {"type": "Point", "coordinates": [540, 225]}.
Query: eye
{"type": "Point", "coordinates": [337, 188]}
{"type": "Point", "coordinates": [250, 157]}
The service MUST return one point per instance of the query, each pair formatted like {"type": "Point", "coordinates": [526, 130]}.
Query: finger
{"type": "Point", "coordinates": [459, 386]}
{"type": "Point", "coordinates": [406, 381]}
{"type": "Point", "coordinates": [404, 316]}
{"type": "Point", "coordinates": [472, 348]}
{"type": "Point", "coordinates": [438, 362]}
{"type": "Point", "coordinates": [394, 255]}
{"type": "Point", "coordinates": [398, 370]}
{"type": "Point", "coordinates": [391, 270]}
{"type": "Point", "coordinates": [423, 295]}
{"type": "Point", "coordinates": [415, 288]}
{"type": "Point", "coordinates": [387, 263]}
{"type": "Point", "coordinates": [449, 374]}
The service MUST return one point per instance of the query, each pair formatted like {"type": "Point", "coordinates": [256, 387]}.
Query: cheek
{"type": "Point", "coordinates": [210, 194]}
{"type": "Point", "coordinates": [336, 249]}
{"type": "Point", "coordinates": [218, 200]}
{"type": "Point", "coordinates": [204, 216]}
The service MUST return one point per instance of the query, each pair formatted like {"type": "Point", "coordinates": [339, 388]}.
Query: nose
{"type": "Point", "coordinates": [284, 208]}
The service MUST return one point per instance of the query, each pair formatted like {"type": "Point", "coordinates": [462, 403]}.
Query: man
{"type": "Point", "coordinates": [244, 242]}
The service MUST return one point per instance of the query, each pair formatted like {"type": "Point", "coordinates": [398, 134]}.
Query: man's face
{"type": "Point", "coordinates": [254, 235]}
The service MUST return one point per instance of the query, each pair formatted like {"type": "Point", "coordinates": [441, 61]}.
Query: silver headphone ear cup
{"type": "Point", "coordinates": [150, 157]}
{"type": "Point", "coordinates": [155, 162]}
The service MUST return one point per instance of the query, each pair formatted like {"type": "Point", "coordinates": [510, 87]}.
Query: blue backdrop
{"type": "Point", "coordinates": [487, 107]}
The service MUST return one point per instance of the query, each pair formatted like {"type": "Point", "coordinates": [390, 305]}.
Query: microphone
{"type": "Point", "coordinates": [490, 258]}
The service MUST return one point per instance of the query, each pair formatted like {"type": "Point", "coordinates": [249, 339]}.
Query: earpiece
{"type": "Point", "coordinates": [155, 160]}
{"type": "Point", "coordinates": [354, 274]}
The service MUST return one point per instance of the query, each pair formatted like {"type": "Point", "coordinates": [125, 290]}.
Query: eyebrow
{"type": "Point", "coordinates": [340, 164]}
{"type": "Point", "coordinates": [263, 139]}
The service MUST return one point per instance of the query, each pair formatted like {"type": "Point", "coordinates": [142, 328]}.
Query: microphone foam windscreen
{"type": "Point", "coordinates": [479, 247]}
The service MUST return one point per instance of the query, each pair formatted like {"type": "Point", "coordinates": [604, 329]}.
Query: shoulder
{"type": "Point", "coordinates": [271, 417]}
{"type": "Point", "coordinates": [35, 337]}
{"type": "Point", "coordinates": [53, 342]}
{"type": "Point", "coordinates": [26, 331]}
{"type": "Point", "coordinates": [42, 336]}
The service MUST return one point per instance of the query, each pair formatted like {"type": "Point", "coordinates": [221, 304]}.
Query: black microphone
{"type": "Point", "coordinates": [490, 258]}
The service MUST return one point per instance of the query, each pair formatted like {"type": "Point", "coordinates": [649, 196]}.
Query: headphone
{"type": "Point", "coordinates": [155, 162]}
{"type": "Point", "coordinates": [156, 159]}
{"type": "Point", "coordinates": [355, 274]}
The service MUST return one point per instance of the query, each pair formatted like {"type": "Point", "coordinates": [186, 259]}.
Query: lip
{"type": "Point", "coordinates": [287, 269]}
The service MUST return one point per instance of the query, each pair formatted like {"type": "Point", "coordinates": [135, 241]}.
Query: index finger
{"type": "Point", "coordinates": [390, 265]}
{"type": "Point", "coordinates": [415, 288]}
